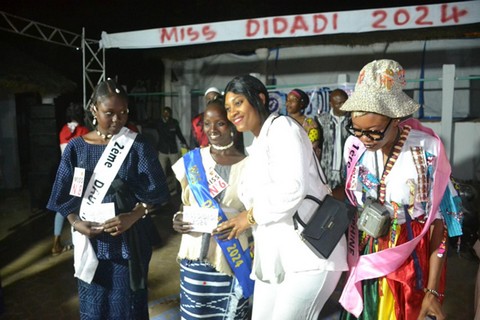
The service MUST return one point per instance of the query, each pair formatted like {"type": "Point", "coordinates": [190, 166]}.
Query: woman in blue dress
{"type": "Point", "coordinates": [112, 280]}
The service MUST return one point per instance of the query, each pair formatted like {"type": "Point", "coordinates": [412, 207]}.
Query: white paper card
{"type": "Point", "coordinates": [202, 219]}
{"type": "Point", "coordinates": [101, 213]}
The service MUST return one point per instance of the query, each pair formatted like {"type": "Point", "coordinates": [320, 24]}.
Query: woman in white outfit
{"type": "Point", "coordinates": [291, 281]}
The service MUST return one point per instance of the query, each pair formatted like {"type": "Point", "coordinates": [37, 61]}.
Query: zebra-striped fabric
{"type": "Point", "coordinates": [207, 294]}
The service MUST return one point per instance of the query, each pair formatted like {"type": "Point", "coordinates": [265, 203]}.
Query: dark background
{"type": "Point", "coordinates": [119, 16]}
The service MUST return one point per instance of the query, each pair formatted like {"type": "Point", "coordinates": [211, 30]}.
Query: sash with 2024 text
{"type": "Point", "coordinates": [239, 260]}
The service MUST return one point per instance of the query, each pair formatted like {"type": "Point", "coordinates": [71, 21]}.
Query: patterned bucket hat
{"type": "Point", "coordinates": [379, 89]}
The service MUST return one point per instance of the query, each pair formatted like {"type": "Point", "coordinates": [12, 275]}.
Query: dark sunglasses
{"type": "Point", "coordinates": [374, 135]}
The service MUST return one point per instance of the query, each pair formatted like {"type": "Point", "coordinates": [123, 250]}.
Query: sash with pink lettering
{"type": "Point", "coordinates": [381, 263]}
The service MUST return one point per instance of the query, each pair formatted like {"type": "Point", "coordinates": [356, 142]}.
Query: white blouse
{"type": "Point", "coordinates": [191, 243]}
{"type": "Point", "coordinates": [280, 172]}
{"type": "Point", "coordinates": [402, 177]}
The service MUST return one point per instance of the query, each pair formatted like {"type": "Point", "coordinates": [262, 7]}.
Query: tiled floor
{"type": "Point", "coordinates": [39, 286]}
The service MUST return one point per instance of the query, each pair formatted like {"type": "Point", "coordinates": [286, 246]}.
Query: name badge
{"type": "Point", "coordinates": [216, 184]}
{"type": "Point", "coordinates": [77, 184]}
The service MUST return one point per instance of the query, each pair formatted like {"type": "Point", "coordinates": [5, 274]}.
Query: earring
{"type": "Point", "coordinates": [94, 121]}
{"type": "Point", "coordinates": [231, 134]}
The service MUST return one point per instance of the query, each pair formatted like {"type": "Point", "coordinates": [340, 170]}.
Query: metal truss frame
{"type": "Point", "coordinates": [93, 55]}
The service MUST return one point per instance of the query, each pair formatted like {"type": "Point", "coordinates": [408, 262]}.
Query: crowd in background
{"type": "Point", "coordinates": [240, 256]}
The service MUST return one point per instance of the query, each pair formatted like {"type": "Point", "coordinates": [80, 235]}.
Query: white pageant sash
{"type": "Point", "coordinates": [85, 259]}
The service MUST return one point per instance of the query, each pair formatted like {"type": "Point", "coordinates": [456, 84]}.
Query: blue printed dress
{"type": "Point", "coordinates": [139, 179]}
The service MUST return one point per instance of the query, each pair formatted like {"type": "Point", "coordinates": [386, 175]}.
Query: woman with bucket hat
{"type": "Point", "coordinates": [398, 176]}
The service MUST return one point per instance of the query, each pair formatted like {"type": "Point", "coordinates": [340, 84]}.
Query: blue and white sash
{"type": "Point", "coordinates": [240, 261]}
{"type": "Point", "coordinates": [84, 258]}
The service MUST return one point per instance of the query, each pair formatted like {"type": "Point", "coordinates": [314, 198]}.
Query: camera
{"type": "Point", "coordinates": [374, 219]}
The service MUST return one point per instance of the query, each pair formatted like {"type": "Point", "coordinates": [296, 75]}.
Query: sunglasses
{"type": "Point", "coordinates": [374, 135]}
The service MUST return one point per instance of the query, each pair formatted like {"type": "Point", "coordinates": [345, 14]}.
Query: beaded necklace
{"type": "Point", "coordinates": [104, 136]}
{"type": "Point", "coordinates": [391, 161]}
{"type": "Point", "coordinates": [221, 148]}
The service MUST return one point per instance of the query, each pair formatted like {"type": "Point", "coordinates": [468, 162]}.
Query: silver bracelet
{"type": "Point", "coordinates": [74, 222]}
{"type": "Point", "coordinates": [434, 292]}
{"type": "Point", "coordinates": [176, 214]}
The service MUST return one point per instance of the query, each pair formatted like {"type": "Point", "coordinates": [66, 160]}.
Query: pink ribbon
{"type": "Point", "coordinates": [379, 264]}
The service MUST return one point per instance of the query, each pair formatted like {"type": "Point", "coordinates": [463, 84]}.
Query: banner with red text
{"type": "Point", "coordinates": [303, 25]}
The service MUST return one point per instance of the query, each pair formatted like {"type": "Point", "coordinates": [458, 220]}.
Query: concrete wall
{"type": "Point", "coordinates": [320, 66]}
{"type": "Point", "coordinates": [10, 177]}
{"type": "Point", "coordinates": [465, 158]}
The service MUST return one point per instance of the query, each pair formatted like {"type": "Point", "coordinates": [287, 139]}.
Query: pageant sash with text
{"type": "Point", "coordinates": [85, 260]}
{"type": "Point", "coordinates": [239, 260]}
{"type": "Point", "coordinates": [381, 263]}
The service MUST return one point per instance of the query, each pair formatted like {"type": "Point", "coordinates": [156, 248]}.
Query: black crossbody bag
{"type": "Point", "coordinates": [327, 225]}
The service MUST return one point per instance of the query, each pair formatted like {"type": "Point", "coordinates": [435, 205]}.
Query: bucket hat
{"type": "Point", "coordinates": [379, 89]}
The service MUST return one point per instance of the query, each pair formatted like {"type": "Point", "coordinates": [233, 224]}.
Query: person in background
{"type": "Point", "coordinates": [107, 183]}
{"type": "Point", "coordinates": [168, 153]}
{"type": "Point", "coordinates": [396, 167]}
{"type": "Point", "coordinates": [211, 93]}
{"type": "Point", "coordinates": [201, 257]}
{"type": "Point", "coordinates": [297, 102]}
{"type": "Point", "coordinates": [199, 137]}
{"type": "Point", "coordinates": [73, 128]}
{"type": "Point", "coordinates": [291, 281]}
{"type": "Point", "coordinates": [333, 124]}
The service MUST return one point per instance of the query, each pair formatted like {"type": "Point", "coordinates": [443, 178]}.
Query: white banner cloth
{"type": "Point", "coordinates": [302, 25]}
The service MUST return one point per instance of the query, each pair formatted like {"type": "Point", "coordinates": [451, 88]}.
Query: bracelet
{"type": "Point", "coordinates": [434, 292]}
{"type": "Point", "coordinates": [145, 207]}
{"type": "Point", "coordinates": [74, 222]}
{"type": "Point", "coordinates": [176, 214]}
{"type": "Point", "coordinates": [250, 218]}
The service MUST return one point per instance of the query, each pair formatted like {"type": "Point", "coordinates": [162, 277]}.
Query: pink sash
{"type": "Point", "coordinates": [381, 263]}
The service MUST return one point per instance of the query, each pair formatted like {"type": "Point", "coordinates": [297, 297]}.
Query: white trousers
{"type": "Point", "coordinates": [301, 296]}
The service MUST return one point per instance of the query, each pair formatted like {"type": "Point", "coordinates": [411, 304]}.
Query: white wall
{"type": "Point", "coordinates": [466, 148]}
{"type": "Point", "coordinates": [320, 66]}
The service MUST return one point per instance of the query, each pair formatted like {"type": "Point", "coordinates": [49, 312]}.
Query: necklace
{"type": "Point", "coordinates": [104, 136]}
{"type": "Point", "coordinates": [392, 158]}
{"type": "Point", "coordinates": [220, 148]}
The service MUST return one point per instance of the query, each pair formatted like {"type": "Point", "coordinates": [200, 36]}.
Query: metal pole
{"type": "Point", "coordinates": [448, 85]}
{"type": "Point", "coordinates": [84, 73]}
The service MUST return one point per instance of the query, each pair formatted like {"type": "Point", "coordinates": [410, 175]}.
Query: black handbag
{"type": "Point", "coordinates": [326, 227]}
{"type": "Point", "coordinates": [328, 223]}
